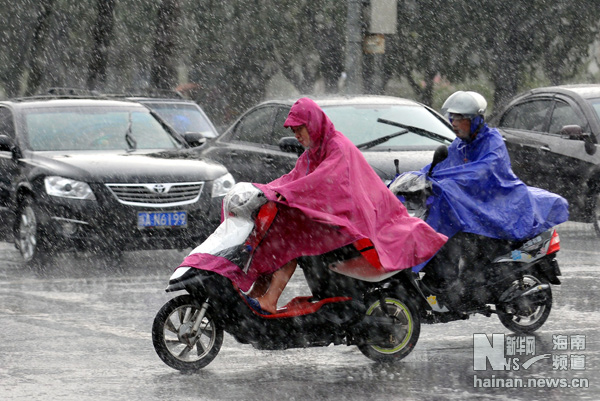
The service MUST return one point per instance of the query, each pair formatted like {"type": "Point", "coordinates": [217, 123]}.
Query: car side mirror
{"type": "Point", "coordinates": [575, 132]}
{"type": "Point", "coordinates": [8, 145]}
{"type": "Point", "coordinates": [194, 139]}
{"type": "Point", "coordinates": [290, 144]}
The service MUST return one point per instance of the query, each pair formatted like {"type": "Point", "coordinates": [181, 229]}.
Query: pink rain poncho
{"type": "Point", "coordinates": [331, 198]}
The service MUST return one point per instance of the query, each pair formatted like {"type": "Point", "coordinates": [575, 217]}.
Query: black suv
{"type": "Point", "coordinates": [101, 174]}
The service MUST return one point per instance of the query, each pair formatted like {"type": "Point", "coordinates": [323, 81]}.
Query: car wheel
{"type": "Point", "coordinates": [27, 233]}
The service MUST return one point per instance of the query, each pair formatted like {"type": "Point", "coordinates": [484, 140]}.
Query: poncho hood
{"type": "Point", "coordinates": [306, 112]}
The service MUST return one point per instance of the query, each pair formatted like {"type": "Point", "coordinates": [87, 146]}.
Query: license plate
{"type": "Point", "coordinates": [162, 219]}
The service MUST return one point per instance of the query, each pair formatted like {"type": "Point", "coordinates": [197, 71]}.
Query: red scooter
{"type": "Point", "coordinates": [352, 303]}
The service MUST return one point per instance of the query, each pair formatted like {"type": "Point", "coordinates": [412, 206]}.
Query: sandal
{"type": "Point", "coordinates": [255, 305]}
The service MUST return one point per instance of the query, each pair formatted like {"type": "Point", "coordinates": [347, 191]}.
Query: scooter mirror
{"type": "Point", "coordinates": [291, 145]}
{"type": "Point", "coordinates": [440, 154]}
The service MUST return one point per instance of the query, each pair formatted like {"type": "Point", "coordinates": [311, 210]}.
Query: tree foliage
{"type": "Point", "coordinates": [433, 40]}
{"type": "Point", "coordinates": [101, 35]}
{"type": "Point", "coordinates": [570, 28]}
{"type": "Point", "coordinates": [551, 36]}
{"type": "Point", "coordinates": [164, 64]}
{"type": "Point", "coordinates": [228, 52]}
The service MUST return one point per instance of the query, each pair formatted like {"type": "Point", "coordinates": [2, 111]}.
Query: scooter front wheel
{"type": "Point", "coordinates": [404, 333]}
{"type": "Point", "coordinates": [183, 341]}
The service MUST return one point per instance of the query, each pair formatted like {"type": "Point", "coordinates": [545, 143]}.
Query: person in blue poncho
{"type": "Point", "coordinates": [478, 201]}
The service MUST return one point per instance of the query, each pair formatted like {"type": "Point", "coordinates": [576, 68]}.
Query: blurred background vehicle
{"type": "Point", "coordinates": [257, 148]}
{"type": "Point", "coordinates": [185, 116]}
{"type": "Point", "coordinates": [552, 137]}
{"type": "Point", "coordinates": [103, 175]}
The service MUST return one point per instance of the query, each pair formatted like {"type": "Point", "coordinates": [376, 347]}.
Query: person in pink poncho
{"type": "Point", "coordinates": [332, 198]}
{"type": "Point", "coordinates": [334, 186]}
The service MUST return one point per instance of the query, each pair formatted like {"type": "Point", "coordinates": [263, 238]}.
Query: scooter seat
{"type": "Point", "coordinates": [361, 269]}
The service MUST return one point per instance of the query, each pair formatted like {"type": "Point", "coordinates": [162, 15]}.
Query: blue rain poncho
{"type": "Point", "coordinates": [475, 191]}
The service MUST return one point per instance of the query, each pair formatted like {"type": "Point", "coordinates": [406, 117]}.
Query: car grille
{"type": "Point", "coordinates": [157, 194]}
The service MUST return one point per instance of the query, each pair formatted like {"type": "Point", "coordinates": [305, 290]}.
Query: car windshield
{"type": "Point", "coordinates": [183, 118]}
{"type": "Point", "coordinates": [596, 105]}
{"type": "Point", "coordinates": [95, 128]}
{"type": "Point", "coordinates": [359, 124]}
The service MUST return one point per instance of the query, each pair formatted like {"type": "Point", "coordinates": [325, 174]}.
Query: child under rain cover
{"type": "Point", "coordinates": [330, 199]}
{"type": "Point", "coordinates": [475, 191]}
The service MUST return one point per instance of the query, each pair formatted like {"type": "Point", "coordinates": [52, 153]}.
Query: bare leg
{"type": "Point", "coordinates": [268, 301]}
{"type": "Point", "coordinates": [260, 286]}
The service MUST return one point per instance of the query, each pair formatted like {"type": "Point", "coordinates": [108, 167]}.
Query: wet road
{"type": "Point", "coordinates": [79, 329]}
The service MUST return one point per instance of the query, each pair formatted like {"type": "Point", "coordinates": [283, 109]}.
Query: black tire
{"type": "Point", "coordinates": [525, 317]}
{"type": "Point", "coordinates": [405, 334]}
{"type": "Point", "coordinates": [596, 213]}
{"type": "Point", "coordinates": [174, 343]}
{"type": "Point", "coordinates": [28, 237]}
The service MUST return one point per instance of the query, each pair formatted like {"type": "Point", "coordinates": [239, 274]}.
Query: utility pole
{"type": "Point", "coordinates": [354, 53]}
{"type": "Point", "coordinates": [381, 19]}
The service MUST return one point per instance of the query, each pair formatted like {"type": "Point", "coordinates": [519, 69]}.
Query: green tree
{"type": "Point", "coordinates": [36, 60]}
{"type": "Point", "coordinates": [241, 44]}
{"type": "Point", "coordinates": [328, 20]}
{"type": "Point", "coordinates": [508, 42]}
{"type": "Point", "coordinates": [131, 48]}
{"type": "Point", "coordinates": [251, 59]}
{"type": "Point", "coordinates": [232, 49]}
{"type": "Point", "coordinates": [308, 42]}
{"type": "Point", "coordinates": [163, 73]}
{"type": "Point", "coordinates": [16, 21]}
{"type": "Point", "coordinates": [206, 40]}
{"type": "Point", "coordinates": [518, 37]}
{"type": "Point", "coordinates": [102, 34]}
{"type": "Point", "coordinates": [434, 39]}
{"type": "Point", "coordinates": [570, 28]}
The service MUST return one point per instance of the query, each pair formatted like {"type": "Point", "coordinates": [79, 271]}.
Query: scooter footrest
{"type": "Point", "coordinates": [303, 306]}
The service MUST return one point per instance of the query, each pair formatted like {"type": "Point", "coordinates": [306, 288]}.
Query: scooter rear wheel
{"type": "Point", "coordinates": [524, 316]}
{"type": "Point", "coordinates": [175, 340]}
{"type": "Point", "coordinates": [405, 332]}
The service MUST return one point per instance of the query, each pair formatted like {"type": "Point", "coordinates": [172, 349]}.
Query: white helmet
{"type": "Point", "coordinates": [469, 104]}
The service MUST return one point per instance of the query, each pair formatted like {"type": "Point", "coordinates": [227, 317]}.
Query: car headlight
{"type": "Point", "coordinates": [222, 185]}
{"type": "Point", "coordinates": [68, 188]}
